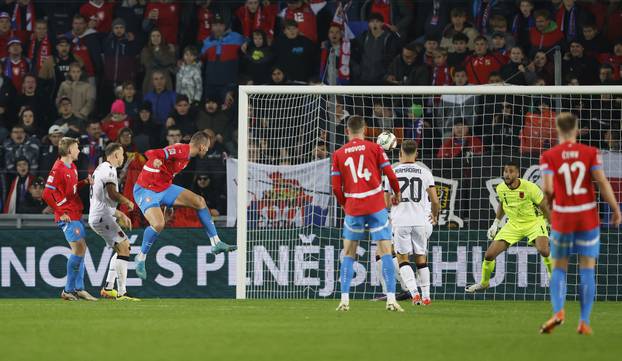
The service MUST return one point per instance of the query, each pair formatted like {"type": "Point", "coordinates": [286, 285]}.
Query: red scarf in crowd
{"type": "Point", "coordinates": [16, 20]}
{"type": "Point", "coordinates": [250, 22]}
{"type": "Point", "coordinates": [10, 207]}
{"type": "Point", "coordinates": [44, 51]}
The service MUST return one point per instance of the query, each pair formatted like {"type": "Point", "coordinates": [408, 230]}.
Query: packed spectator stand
{"type": "Point", "coordinates": [151, 73]}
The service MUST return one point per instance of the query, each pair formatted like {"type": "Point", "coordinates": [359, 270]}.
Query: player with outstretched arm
{"type": "Point", "coordinates": [61, 194]}
{"type": "Point", "coordinates": [104, 215]}
{"type": "Point", "coordinates": [569, 170]}
{"type": "Point", "coordinates": [155, 188]}
{"type": "Point", "coordinates": [357, 184]}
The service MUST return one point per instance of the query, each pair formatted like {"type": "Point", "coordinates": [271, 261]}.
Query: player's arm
{"type": "Point", "coordinates": [385, 166]}
{"type": "Point", "coordinates": [176, 151]}
{"type": "Point", "coordinates": [123, 219]}
{"type": "Point", "coordinates": [606, 192]}
{"type": "Point", "coordinates": [86, 181]}
{"type": "Point", "coordinates": [547, 181]}
{"type": "Point", "coordinates": [336, 183]}
{"type": "Point", "coordinates": [53, 193]}
{"type": "Point", "coordinates": [544, 207]}
{"type": "Point", "coordinates": [436, 204]}
{"type": "Point", "coordinates": [111, 189]}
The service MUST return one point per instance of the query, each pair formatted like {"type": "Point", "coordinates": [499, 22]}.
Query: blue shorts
{"type": "Point", "coordinates": [378, 225]}
{"type": "Point", "coordinates": [585, 243]}
{"type": "Point", "coordinates": [146, 198]}
{"type": "Point", "coordinates": [74, 230]}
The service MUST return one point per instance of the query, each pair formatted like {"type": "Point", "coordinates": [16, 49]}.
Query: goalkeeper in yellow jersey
{"type": "Point", "coordinates": [524, 204]}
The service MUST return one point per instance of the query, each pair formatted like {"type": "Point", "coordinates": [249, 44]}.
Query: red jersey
{"type": "Point", "coordinates": [102, 14]}
{"type": "Point", "coordinates": [357, 177]}
{"type": "Point", "coordinates": [61, 191]}
{"type": "Point", "coordinates": [306, 19]}
{"type": "Point", "coordinates": [574, 200]}
{"type": "Point", "coordinates": [174, 159]}
{"type": "Point", "coordinates": [168, 19]}
{"type": "Point", "coordinates": [16, 70]}
{"type": "Point", "coordinates": [205, 17]}
{"type": "Point", "coordinates": [112, 128]}
{"type": "Point", "coordinates": [478, 68]}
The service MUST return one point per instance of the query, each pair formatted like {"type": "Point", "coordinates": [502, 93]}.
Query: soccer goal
{"type": "Point", "coordinates": [289, 227]}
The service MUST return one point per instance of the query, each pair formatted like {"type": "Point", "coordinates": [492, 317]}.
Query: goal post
{"type": "Point", "coordinates": [289, 227]}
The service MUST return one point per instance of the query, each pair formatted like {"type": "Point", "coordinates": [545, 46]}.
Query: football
{"type": "Point", "coordinates": [387, 140]}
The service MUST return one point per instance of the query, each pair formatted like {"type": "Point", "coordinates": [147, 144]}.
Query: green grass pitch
{"type": "Point", "coordinates": [249, 330]}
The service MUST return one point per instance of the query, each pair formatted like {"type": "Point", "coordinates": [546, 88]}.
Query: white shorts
{"type": "Point", "coordinates": [108, 228]}
{"type": "Point", "coordinates": [412, 239]}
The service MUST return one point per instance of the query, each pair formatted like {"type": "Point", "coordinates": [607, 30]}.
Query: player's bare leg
{"type": "Point", "coordinates": [558, 295]}
{"type": "Point", "coordinates": [388, 272]}
{"type": "Point", "coordinates": [346, 272]}
{"type": "Point", "coordinates": [495, 249]}
{"type": "Point", "coordinates": [542, 245]}
{"type": "Point", "coordinates": [155, 217]}
{"type": "Point", "coordinates": [190, 199]}
{"type": "Point", "coordinates": [423, 273]}
{"type": "Point", "coordinates": [123, 257]}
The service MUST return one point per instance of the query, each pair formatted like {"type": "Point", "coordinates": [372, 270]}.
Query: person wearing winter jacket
{"type": "Point", "coordinates": [81, 93]}
{"type": "Point", "coordinates": [189, 81]}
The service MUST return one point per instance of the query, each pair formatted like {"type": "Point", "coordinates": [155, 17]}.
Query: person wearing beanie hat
{"type": "Point", "coordinates": [116, 120]}
{"type": "Point", "coordinates": [577, 62]}
{"type": "Point", "coordinates": [15, 65]}
{"type": "Point", "coordinates": [147, 133]}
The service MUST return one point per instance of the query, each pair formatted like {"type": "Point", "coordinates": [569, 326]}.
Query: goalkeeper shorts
{"type": "Point", "coordinates": [377, 223]}
{"type": "Point", "coordinates": [512, 232]}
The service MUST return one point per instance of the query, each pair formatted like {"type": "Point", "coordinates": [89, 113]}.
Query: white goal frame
{"type": "Point", "coordinates": [243, 136]}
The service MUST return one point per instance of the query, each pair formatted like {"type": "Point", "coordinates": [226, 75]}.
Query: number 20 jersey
{"type": "Point", "coordinates": [574, 201]}
{"type": "Point", "coordinates": [415, 207]}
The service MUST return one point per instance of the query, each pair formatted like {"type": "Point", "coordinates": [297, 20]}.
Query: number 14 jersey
{"type": "Point", "coordinates": [574, 200]}
{"type": "Point", "coordinates": [415, 207]}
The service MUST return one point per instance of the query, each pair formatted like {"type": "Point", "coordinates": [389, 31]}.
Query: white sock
{"type": "Point", "coordinates": [379, 273]}
{"type": "Point", "coordinates": [424, 281]}
{"type": "Point", "coordinates": [398, 276]}
{"type": "Point", "coordinates": [112, 273]}
{"type": "Point", "coordinates": [121, 267]}
{"type": "Point", "coordinates": [408, 275]}
{"type": "Point", "coordinates": [345, 298]}
{"type": "Point", "coordinates": [390, 297]}
{"type": "Point", "coordinates": [214, 240]}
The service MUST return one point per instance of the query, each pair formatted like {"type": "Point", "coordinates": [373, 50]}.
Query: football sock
{"type": "Point", "coordinates": [121, 268]}
{"type": "Point", "coordinates": [112, 273]}
{"type": "Point", "coordinates": [149, 237]}
{"type": "Point", "coordinates": [408, 275]}
{"type": "Point", "coordinates": [388, 272]}
{"type": "Point", "coordinates": [558, 289]}
{"type": "Point", "coordinates": [208, 225]}
{"type": "Point", "coordinates": [586, 292]}
{"type": "Point", "coordinates": [549, 265]}
{"type": "Point", "coordinates": [379, 273]}
{"type": "Point", "coordinates": [80, 276]}
{"type": "Point", "coordinates": [424, 280]}
{"type": "Point", "coordinates": [487, 268]}
{"type": "Point", "coordinates": [346, 272]}
{"type": "Point", "coordinates": [398, 276]}
{"type": "Point", "coordinates": [73, 268]}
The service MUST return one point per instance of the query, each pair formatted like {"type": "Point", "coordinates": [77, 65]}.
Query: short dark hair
{"type": "Point", "coordinates": [375, 16]}
{"type": "Point", "coordinates": [111, 148]}
{"type": "Point", "coordinates": [192, 50]}
{"type": "Point", "coordinates": [412, 46]}
{"type": "Point", "coordinates": [480, 38]}
{"type": "Point", "coordinates": [512, 163]}
{"type": "Point", "coordinates": [459, 69]}
{"type": "Point", "coordinates": [290, 23]}
{"type": "Point", "coordinates": [566, 122]}
{"type": "Point", "coordinates": [199, 138]}
{"type": "Point", "coordinates": [541, 13]}
{"type": "Point", "coordinates": [459, 37]}
{"type": "Point", "coordinates": [458, 12]}
{"type": "Point", "coordinates": [173, 128]}
{"type": "Point", "coordinates": [182, 98]}
{"type": "Point", "coordinates": [356, 123]}
{"type": "Point", "coordinates": [409, 147]}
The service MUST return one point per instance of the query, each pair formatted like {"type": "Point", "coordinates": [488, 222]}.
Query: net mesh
{"type": "Point", "coordinates": [294, 226]}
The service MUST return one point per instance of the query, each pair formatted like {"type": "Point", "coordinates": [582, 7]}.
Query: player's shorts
{"type": "Point", "coordinates": [377, 223]}
{"type": "Point", "coordinates": [74, 230]}
{"type": "Point", "coordinates": [108, 229]}
{"type": "Point", "coordinates": [583, 243]}
{"type": "Point", "coordinates": [514, 232]}
{"type": "Point", "coordinates": [146, 198]}
{"type": "Point", "coordinates": [412, 239]}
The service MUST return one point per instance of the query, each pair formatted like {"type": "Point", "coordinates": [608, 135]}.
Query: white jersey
{"type": "Point", "coordinates": [415, 206]}
{"type": "Point", "coordinates": [101, 204]}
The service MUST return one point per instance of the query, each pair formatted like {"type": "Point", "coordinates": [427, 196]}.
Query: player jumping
{"type": "Point", "coordinates": [105, 197]}
{"type": "Point", "coordinates": [61, 194]}
{"type": "Point", "coordinates": [569, 170]}
{"type": "Point", "coordinates": [412, 220]}
{"type": "Point", "coordinates": [525, 206]}
{"type": "Point", "coordinates": [357, 185]}
{"type": "Point", "coordinates": [154, 188]}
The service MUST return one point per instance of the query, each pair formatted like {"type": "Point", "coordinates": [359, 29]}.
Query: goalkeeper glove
{"type": "Point", "coordinates": [492, 231]}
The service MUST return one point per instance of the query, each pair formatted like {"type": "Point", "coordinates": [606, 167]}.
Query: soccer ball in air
{"type": "Point", "coordinates": [387, 140]}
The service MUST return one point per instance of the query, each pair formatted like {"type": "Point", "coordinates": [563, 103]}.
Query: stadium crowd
{"type": "Point", "coordinates": [151, 73]}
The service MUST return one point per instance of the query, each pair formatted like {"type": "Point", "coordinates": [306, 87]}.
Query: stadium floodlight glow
{"type": "Point", "coordinates": [289, 229]}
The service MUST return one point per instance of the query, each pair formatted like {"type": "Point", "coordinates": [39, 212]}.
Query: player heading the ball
{"type": "Point", "coordinates": [569, 170]}
{"type": "Point", "coordinates": [357, 184]}
{"type": "Point", "coordinates": [155, 188]}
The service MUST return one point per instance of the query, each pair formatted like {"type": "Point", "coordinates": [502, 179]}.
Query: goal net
{"type": "Point", "coordinates": [289, 227]}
